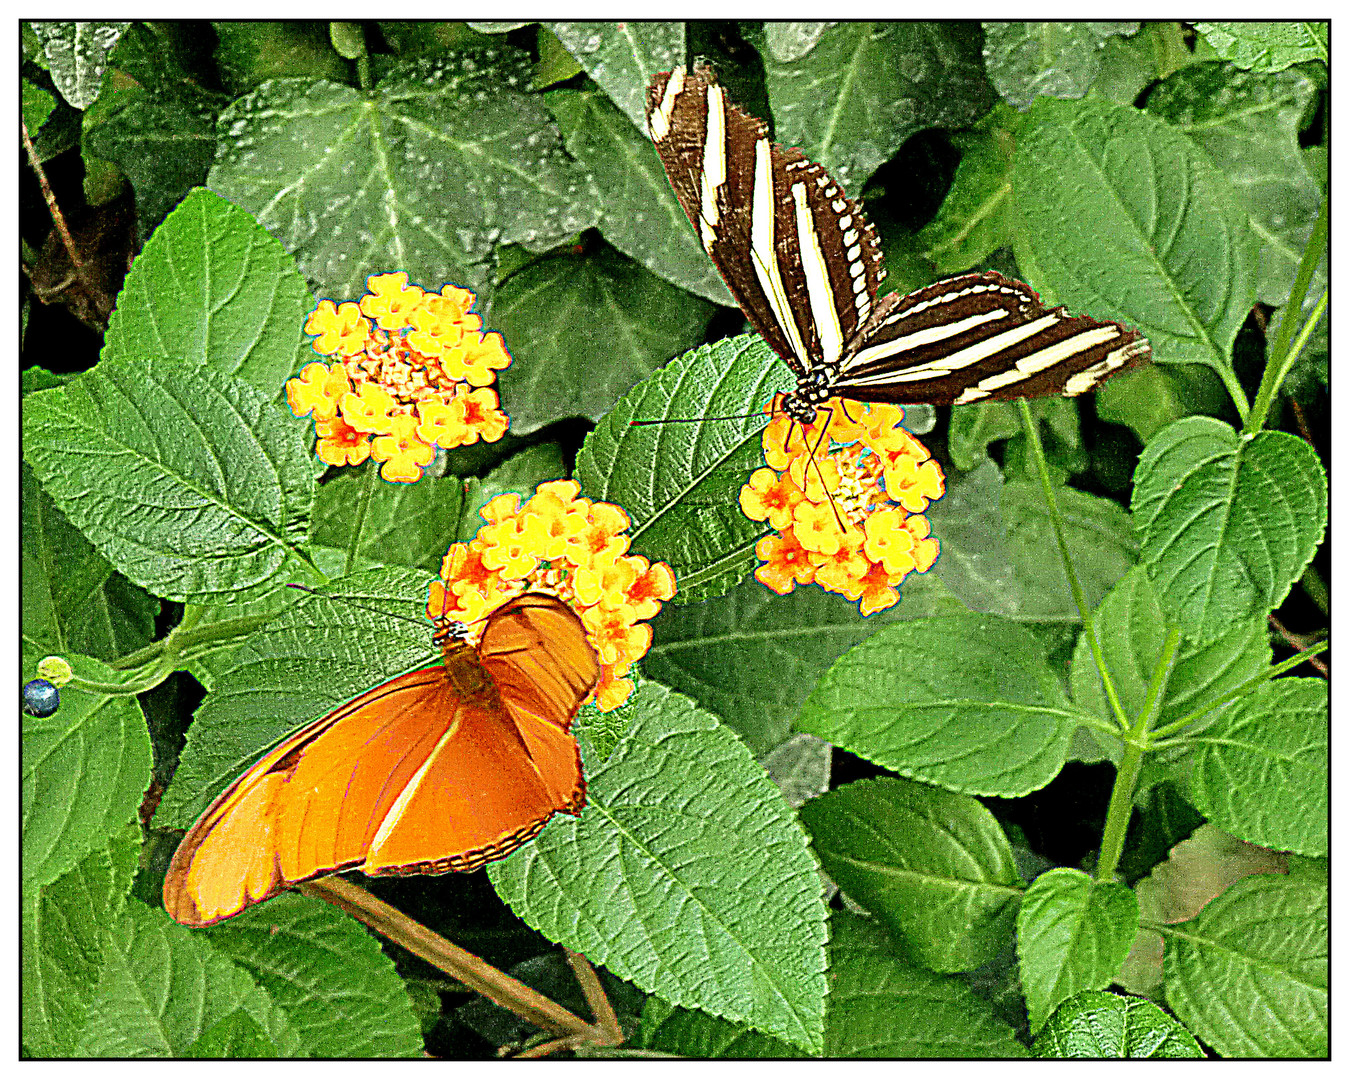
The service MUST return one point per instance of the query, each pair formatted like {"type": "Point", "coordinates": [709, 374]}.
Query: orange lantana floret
{"type": "Point", "coordinates": [844, 495]}
{"type": "Point", "coordinates": [560, 543]}
{"type": "Point", "coordinates": [425, 358]}
{"type": "Point", "coordinates": [340, 443]}
{"type": "Point", "coordinates": [404, 455]}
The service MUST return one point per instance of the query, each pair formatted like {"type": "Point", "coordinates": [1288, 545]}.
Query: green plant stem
{"type": "Point", "coordinates": [1281, 357]}
{"type": "Point", "coordinates": [1137, 744]}
{"type": "Point", "coordinates": [1239, 691]}
{"type": "Point", "coordinates": [367, 493]}
{"type": "Point", "coordinates": [1084, 612]}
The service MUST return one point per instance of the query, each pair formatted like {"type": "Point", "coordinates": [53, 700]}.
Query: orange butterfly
{"type": "Point", "coordinates": [443, 768]}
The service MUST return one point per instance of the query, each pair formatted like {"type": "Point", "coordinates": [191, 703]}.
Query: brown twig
{"type": "Point", "coordinates": [1302, 421]}
{"type": "Point", "coordinates": [601, 1010]}
{"type": "Point", "coordinates": [496, 986]}
{"type": "Point", "coordinates": [1298, 644]}
{"type": "Point", "coordinates": [58, 218]}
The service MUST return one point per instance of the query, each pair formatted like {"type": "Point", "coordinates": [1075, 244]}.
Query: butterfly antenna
{"type": "Point", "coordinates": [691, 419]}
{"type": "Point", "coordinates": [356, 603]}
{"type": "Point", "coordinates": [821, 476]}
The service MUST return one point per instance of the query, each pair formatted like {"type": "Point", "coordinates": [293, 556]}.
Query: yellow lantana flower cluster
{"type": "Point", "coordinates": [869, 474]}
{"type": "Point", "coordinates": [574, 549]}
{"type": "Point", "coordinates": [413, 371]}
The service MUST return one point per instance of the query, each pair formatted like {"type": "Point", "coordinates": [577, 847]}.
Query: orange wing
{"type": "Point", "coordinates": [443, 768]}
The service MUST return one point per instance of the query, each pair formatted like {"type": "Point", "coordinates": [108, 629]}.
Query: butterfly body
{"type": "Point", "coordinates": [442, 768]}
{"type": "Point", "coordinates": [805, 266]}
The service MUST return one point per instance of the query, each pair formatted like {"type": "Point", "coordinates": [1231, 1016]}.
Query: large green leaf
{"type": "Point", "coordinates": [212, 287]}
{"type": "Point", "coordinates": [684, 838]}
{"type": "Point", "coordinates": [1227, 523]}
{"type": "Point", "coordinates": [1249, 974]}
{"type": "Point", "coordinates": [1057, 59]}
{"type": "Point", "coordinates": [680, 481]}
{"type": "Point", "coordinates": [340, 992]}
{"type": "Point", "coordinates": [622, 57]}
{"type": "Point", "coordinates": [974, 218]}
{"type": "Point", "coordinates": [1267, 46]}
{"type": "Point", "coordinates": [999, 552]}
{"type": "Point", "coordinates": [1124, 218]}
{"type": "Point", "coordinates": [1073, 933]}
{"type": "Point", "coordinates": [934, 866]}
{"type": "Point", "coordinates": [582, 330]}
{"type": "Point", "coordinates": [85, 769]}
{"type": "Point", "coordinates": [76, 54]}
{"type": "Point", "coordinates": [64, 928]}
{"type": "Point", "coordinates": [1262, 771]}
{"type": "Point", "coordinates": [882, 1006]}
{"type": "Point", "coordinates": [966, 702]}
{"type": "Point", "coordinates": [1095, 1024]}
{"type": "Point", "coordinates": [163, 986]}
{"type": "Point", "coordinates": [188, 481]}
{"type": "Point", "coordinates": [863, 88]}
{"type": "Point", "coordinates": [404, 524]}
{"type": "Point", "coordinates": [639, 214]}
{"type": "Point", "coordinates": [1249, 124]}
{"type": "Point", "coordinates": [72, 600]}
{"type": "Point", "coordinates": [752, 656]}
{"type": "Point", "coordinates": [455, 158]}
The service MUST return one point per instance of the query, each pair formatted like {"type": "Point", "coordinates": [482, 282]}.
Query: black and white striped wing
{"type": "Point", "coordinates": [805, 266]}
{"type": "Point", "coordinates": [795, 251]}
{"type": "Point", "coordinates": [980, 337]}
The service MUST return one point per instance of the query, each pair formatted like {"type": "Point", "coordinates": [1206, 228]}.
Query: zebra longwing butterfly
{"type": "Point", "coordinates": [805, 266]}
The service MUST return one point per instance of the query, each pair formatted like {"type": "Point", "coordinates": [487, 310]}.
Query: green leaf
{"type": "Point", "coordinates": [1262, 769]}
{"type": "Point", "coordinates": [341, 994]}
{"type": "Point", "coordinates": [37, 105]}
{"type": "Point", "coordinates": [164, 145]}
{"type": "Point", "coordinates": [753, 656]}
{"type": "Point", "coordinates": [582, 329]}
{"type": "Point", "coordinates": [72, 600]}
{"type": "Point", "coordinates": [1145, 400]}
{"type": "Point", "coordinates": [234, 1036]}
{"type": "Point", "coordinates": [1267, 46]}
{"type": "Point", "coordinates": [684, 838]}
{"type": "Point", "coordinates": [800, 766]}
{"type": "Point", "coordinates": [966, 702]}
{"type": "Point", "coordinates": [306, 661]}
{"type": "Point", "coordinates": [1132, 630]}
{"type": "Point", "coordinates": [163, 986]}
{"type": "Point", "coordinates": [84, 770]}
{"type": "Point", "coordinates": [934, 866]}
{"type": "Point", "coordinates": [999, 552]}
{"type": "Point", "coordinates": [622, 57]}
{"type": "Point", "coordinates": [405, 524]}
{"type": "Point", "coordinates": [1073, 934]}
{"type": "Point", "coordinates": [1195, 871]}
{"type": "Point", "coordinates": [864, 88]}
{"type": "Point", "coordinates": [459, 158]}
{"type": "Point", "coordinates": [1056, 59]}
{"type": "Point", "coordinates": [881, 1006]}
{"type": "Point", "coordinates": [639, 214]}
{"type": "Point", "coordinates": [251, 53]}
{"type": "Point", "coordinates": [1249, 125]}
{"type": "Point", "coordinates": [188, 481]}
{"type": "Point", "coordinates": [1227, 523]}
{"type": "Point", "coordinates": [77, 53]}
{"type": "Point", "coordinates": [64, 930]}
{"type": "Point", "coordinates": [1249, 974]}
{"type": "Point", "coordinates": [975, 216]}
{"type": "Point", "coordinates": [211, 287]}
{"type": "Point", "coordinates": [1095, 1024]}
{"type": "Point", "coordinates": [679, 482]}
{"type": "Point", "coordinates": [1125, 218]}
{"type": "Point", "coordinates": [691, 1033]}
